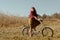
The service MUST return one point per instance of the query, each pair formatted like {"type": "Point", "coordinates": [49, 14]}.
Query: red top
{"type": "Point", "coordinates": [33, 14]}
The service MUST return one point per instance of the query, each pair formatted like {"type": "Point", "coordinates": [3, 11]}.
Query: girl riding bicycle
{"type": "Point", "coordinates": [33, 22]}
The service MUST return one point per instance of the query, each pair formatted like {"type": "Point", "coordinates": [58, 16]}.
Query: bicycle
{"type": "Point", "coordinates": [46, 31]}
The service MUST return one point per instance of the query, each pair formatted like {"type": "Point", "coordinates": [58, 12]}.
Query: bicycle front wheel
{"type": "Point", "coordinates": [47, 31]}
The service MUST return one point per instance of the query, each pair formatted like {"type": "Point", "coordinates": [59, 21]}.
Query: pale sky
{"type": "Point", "coordinates": [22, 7]}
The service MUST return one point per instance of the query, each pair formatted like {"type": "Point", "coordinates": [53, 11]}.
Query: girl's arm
{"type": "Point", "coordinates": [39, 18]}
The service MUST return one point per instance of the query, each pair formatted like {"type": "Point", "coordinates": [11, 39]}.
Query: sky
{"type": "Point", "coordinates": [22, 7]}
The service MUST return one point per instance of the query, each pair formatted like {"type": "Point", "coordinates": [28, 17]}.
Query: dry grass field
{"type": "Point", "coordinates": [11, 28]}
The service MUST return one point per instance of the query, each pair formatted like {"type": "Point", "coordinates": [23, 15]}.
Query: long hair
{"type": "Point", "coordinates": [34, 12]}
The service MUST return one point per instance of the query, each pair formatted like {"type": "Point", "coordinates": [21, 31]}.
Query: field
{"type": "Point", "coordinates": [11, 28]}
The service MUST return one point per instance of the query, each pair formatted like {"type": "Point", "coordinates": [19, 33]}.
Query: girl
{"type": "Point", "coordinates": [33, 22]}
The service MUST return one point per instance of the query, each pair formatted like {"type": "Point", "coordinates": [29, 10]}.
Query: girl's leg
{"type": "Point", "coordinates": [30, 27]}
{"type": "Point", "coordinates": [30, 24]}
{"type": "Point", "coordinates": [34, 29]}
{"type": "Point", "coordinates": [30, 31]}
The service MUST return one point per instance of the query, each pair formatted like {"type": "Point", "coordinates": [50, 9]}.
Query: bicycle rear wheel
{"type": "Point", "coordinates": [25, 31]}
{"type": "Point", "coordinates": [47, 31]}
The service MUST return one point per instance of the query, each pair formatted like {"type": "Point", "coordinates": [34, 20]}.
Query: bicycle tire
{"type": "Point", "coordinates": [25, 29]}
{"type": "Point", "coordinates": [49, 29]}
